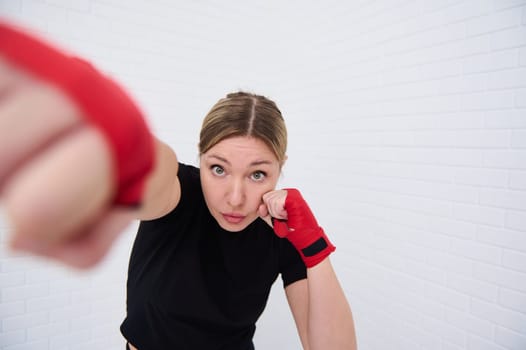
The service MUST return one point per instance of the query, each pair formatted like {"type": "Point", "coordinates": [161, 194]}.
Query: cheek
{"type": "Point", "coordinates": [256, 197]}
{"type": "Point", "coordinates": [211, 191]}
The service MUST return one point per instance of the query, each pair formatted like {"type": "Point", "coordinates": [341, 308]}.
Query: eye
{"type": "Point", "coordinates": [258, 176]}
{"type": "Point", "coordinates": [217, 170]}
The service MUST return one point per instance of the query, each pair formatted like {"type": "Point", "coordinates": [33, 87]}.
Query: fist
{"type": "Point", "coordinates": [57, 169]}
{"type": "Point", "coordinates": [296, 222]}
{"type": "Point", "coordinates": [274, 205]}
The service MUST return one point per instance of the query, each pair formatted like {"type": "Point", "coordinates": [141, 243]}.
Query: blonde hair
{"type": "Point", "coordinates": [245, 114]}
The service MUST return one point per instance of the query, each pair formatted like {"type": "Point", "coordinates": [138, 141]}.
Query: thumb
{"type": "Point", "coordinates": [263, 210]}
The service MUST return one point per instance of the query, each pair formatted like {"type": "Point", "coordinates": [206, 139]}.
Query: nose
{"type": "Point", "coordinates": [236, 193]}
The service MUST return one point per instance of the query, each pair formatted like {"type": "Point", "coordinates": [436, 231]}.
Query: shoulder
{"type": "Point", "coordinates": [188, 172]}
{"type": "Point", "coordinates": [191, 196]}
{"type": "Point", "coordinates": [190, 182]}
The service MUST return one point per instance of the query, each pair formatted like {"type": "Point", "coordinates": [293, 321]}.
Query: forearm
{"type": "Point", "coordinates": [320, 308]}
{"type": "Point", "coordinates": [330, 321]}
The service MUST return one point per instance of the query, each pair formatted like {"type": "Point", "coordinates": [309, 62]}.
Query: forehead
{"type": "Point", "coordinates": [241, 148]}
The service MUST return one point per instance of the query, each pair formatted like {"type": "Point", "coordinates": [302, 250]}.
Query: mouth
{"type": "Point", "coordinates": [233, 218]}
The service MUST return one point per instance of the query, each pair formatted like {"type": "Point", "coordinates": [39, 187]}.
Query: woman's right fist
{"type": "Point", "coordinates": [74, 152]}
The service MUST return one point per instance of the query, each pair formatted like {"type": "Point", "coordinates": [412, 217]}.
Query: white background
{"type": "Point", "coordinates": [407, 124]}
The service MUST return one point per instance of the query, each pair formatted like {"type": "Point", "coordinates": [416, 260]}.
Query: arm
{"type": "Point", "coordinates": [330, 321]}
{"type": "Point", "coordinates": [298, 298]}
{"type": "Point", "coordinates": [319, 307]}
{"type": "Point", "coordinates": [162, 190]}
{"type": "Point", "coordinates": [322, 314]}
{"type": "Point", "coordinates": [77, 160]}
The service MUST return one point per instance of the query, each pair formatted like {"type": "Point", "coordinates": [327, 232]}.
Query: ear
{"type": "Point", "coordinates": [284, 161]}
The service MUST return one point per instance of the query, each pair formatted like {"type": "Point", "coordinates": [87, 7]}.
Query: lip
{"type": "Point", "coordinates": [233, 218]}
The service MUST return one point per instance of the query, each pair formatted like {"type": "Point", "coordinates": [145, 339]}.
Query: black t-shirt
{"type": "Point", "coordinates": [192, 285]}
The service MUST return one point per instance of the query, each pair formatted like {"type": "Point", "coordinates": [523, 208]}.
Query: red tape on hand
{"type": "Point", "coordinates": [303, 231]}
{"type": "Point", "coordinates": [104, 103]}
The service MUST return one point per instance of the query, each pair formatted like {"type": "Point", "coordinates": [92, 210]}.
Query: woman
{"type": "Point", "coordinates": [211, 241]}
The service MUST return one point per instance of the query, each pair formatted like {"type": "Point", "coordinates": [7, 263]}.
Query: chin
{"type": "Point", "coordinates": [233, 228]}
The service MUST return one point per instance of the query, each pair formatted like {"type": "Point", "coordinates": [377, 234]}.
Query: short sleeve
{"type": "Point", "coordinates": [292, 268]}
{"type": "Point", "coordinates": [190, 183]}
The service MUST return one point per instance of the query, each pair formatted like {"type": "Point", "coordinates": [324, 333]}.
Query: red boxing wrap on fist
{"type": "Point", "coordinates": [303, 231]}
{"type": "Point", "coordinates": [104, 104]}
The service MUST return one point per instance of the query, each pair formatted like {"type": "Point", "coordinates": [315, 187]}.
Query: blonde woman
{"type": "Point", "coordinates": [77, 163]}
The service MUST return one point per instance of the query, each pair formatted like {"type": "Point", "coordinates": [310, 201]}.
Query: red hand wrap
{"type": "Point", "coordinates": [105, 105]}
{"type": "Point", "coordinates": [303, 231]}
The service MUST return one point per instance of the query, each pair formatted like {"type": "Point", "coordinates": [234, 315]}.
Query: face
{"type": "Point", "coordinates": [235, 174]}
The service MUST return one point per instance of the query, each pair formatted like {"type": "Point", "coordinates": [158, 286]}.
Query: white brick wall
{"type": "Point", "coordinates": [407, 124]}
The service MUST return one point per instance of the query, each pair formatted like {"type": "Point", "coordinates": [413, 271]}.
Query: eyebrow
{"type": "Point", "coordinates": [254, 163]}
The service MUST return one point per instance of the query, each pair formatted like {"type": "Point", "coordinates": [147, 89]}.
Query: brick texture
{"type": "Point", "coordinates": [407, 128]}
